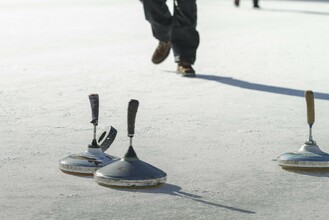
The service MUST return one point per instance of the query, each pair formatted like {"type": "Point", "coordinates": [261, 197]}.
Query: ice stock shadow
{"type": "Point", "coordinates": [260, 87]}
{"type": "Point", "coordinates": [174, 190]}
{"type": "Point", "coordinates": [296, 11]}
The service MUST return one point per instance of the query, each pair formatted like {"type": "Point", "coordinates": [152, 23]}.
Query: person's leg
{"type": "Point", "coordinates": [237, 3]}
{"type": "Point", "coordinates": [158, 14]}
{"type": "Point", "coordinates": [184, 36]}
{"type": "Point", "coordinates": [255, 3]}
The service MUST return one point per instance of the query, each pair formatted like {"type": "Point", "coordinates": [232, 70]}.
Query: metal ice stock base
{"type": "Point", "coordinates": [308, 156]}
{"type": "Point", "coordinates": [86, 163]}
{"type": "Point", "coordinates": [130, 171]}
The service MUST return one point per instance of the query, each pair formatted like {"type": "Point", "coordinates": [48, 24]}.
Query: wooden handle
{"type": "Point", "coordinates": [132, 110]}
{"type": "Point", "coordinates": [310, 107]}
{"type": "Point", "coordinates": [94, 102]}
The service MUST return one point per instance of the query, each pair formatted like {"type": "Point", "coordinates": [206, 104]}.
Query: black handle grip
{"type": "Point", "coordinates": [132, 110]}
{"type": "Point", "coordinates": [94, 102]}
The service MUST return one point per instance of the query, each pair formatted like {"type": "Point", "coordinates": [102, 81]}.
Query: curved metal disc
{"type": "Point", "coordinates": [106, 138]}
{"type": "Point", "coordinates": [85, 163]}
{"type": "Point", "coordinates": [130, 173]}
{"type": "Point", "coordinates": [309, 156]}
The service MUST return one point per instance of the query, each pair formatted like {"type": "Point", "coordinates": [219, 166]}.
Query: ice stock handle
{"type": "Point", "coordinates": [132, 110]}
{"type": "Point", "coordinates": [94, 102]}
{"type": "Point", "coordinates": [310, 107]}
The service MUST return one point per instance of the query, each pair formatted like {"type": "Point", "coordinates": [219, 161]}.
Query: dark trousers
{"type": "Point", "coordinates": [255, 2]}
{"type": "Point", "coordinates": [179, 28]}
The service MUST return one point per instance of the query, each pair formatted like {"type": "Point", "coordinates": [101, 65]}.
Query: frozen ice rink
{"type": "Point", "coordinates": [217, 136]}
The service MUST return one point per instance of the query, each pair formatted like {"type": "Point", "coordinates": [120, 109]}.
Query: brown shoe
{"type": "Point", "coordinates": [161, 52]}
{"type": "Point", "coordinates": [185, 69]}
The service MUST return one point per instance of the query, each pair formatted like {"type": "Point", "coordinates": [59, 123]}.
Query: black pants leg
{"type": "Point", "coordinates": [180, 28]}
{"type": "Point", "coordinates": [158, 14]}
{"type": "Point", "coordinates": [184, 36]}
{"type": "Point", "coordinates": [255, 3]}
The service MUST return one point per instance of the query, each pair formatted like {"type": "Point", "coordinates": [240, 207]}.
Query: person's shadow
{"type": "Point", "coordinates": [260, 87]}
{"type": "Point", "coordinates": [174, 190]}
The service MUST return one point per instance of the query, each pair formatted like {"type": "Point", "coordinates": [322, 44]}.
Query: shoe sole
{"type": "Point", "coordinates": [189, 75]}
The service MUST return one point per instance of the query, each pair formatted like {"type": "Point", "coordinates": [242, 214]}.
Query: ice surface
{"type": "Point", "coordinates": [216, 136]}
